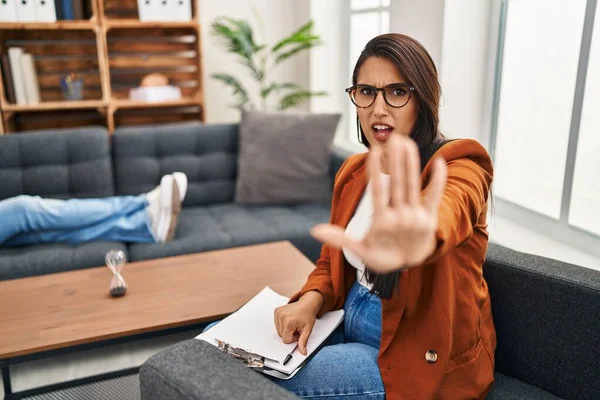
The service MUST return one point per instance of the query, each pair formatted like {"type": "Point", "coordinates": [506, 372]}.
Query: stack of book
{"type": "Point", "coordinates": [44, 10]}
{"type": "Point", "coordinates": [20, 78]}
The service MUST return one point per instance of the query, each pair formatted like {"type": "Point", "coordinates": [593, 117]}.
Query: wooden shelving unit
{"type": "Point", "coordinates": [55, 105]}
{"type": "Point", "coordinates": [112, 51]}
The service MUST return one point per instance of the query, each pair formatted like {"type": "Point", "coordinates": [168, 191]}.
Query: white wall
{"type": "Point", "coordinates": [464, 68]}
{"type": "Point", "coordinates": [328, 65]}
{"type": "Point", "coordinates": [280, 18]}
{"type": "Point", "coordinates": [423, 20]}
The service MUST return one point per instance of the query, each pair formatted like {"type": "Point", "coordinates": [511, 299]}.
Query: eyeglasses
{"type": "Point", "coordinates": [396, 95]}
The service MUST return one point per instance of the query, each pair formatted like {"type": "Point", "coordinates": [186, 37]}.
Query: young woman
{"type": "Point", "coordinates": [404, 250]}
{"type": "Point", "coordinates": [147, 218]}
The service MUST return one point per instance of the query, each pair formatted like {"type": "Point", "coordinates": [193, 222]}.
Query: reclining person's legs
{"type": "Point", "coordinates": [131, 228]}
{"type": "Point", "coordinates": [23, 215]}
{"type": "Point", "coordinates": [146, 218]}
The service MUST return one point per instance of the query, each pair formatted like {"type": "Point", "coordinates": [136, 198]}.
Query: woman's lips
{"type": "Point", "coordinates": [381, 133]}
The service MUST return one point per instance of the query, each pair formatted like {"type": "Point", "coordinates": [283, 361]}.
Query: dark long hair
{"type": "Point", "coordinates": [417, 67]}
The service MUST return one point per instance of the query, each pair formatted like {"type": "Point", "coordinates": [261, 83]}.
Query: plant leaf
{"type": "Point", "coordinates": [238, 90]}
{"type": "Point", "coordinates": [303, 46]}
{"type": "Point", "coordinates": [276, 87]}
{"type": "Point", "coordinates": [294, 37]}
{"type": "Point", "coordinates": [296, 98]}
{"type": "Point", "coordinates": [238, 37]}
{"type": "Point", "coordinates": [256, 72]}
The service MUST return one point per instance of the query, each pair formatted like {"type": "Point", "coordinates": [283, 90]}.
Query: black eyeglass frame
{"type": "Point", "coordinates": [382, 89]}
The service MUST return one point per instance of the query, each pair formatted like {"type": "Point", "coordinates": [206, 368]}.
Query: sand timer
{"type": "Point", "coordinates": [115, 260]}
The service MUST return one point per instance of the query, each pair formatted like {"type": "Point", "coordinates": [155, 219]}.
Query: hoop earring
{"type": "Point", "coordinates": [358, 132]}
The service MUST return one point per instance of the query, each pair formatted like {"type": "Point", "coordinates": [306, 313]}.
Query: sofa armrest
{"type": "Point", "coordinates": [193, 369]}
{"type": "Point", "coordinates": [547, 325]}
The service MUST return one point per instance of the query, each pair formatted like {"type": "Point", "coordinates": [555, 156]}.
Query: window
{"type": "Point", "coordinates": [545, 133]}
{"type": "Point", "coordinates": [584, 210]}
{"type": "Point", "coordinates": [368, 18]}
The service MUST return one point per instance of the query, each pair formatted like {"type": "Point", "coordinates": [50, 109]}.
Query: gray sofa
{"type": "Point", "coordinates": [87, 162]}
{"type": "Point", "coordinates": [547, 320]}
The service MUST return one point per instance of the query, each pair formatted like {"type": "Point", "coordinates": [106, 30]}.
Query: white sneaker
{"type": "Point", "coordinates": [164, 205]}
{"type": "Point", "coordinates": [166, 202]}
{"type": "Point", "coordinates": [172, 218]}
{"type": "Point", "coordinates": [153, 208]}
{"type": "Point", "coordinates": [182, 184]}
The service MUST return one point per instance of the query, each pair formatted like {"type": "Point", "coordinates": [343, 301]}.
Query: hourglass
{"type": "Point", "coordinates": [115, 260]}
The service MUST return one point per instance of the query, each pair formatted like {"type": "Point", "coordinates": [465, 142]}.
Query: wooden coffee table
{"type": "Point", "coordinates": [72, 311]}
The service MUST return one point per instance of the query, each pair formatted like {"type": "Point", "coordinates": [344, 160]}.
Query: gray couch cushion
{"type": "Point", "coordinates": [20, 262]}
{"type": "Point", "coordinates": [228, 225]}
{"type": "Point", "coordinates": [195, 370]}
{"type": "Point", "coordinates": [546, 317]}
{"type": "Point", "coordinates": [207, 154]}
{"type": "Point", "coordinates": [507, 388]}
{"type": "Point", "coordinates": [56, 163]}
{"type": "Point", "coordinates": [285, 157]}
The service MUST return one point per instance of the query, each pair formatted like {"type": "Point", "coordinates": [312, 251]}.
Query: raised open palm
{"type": "Point", "coordinates": [403, 226]}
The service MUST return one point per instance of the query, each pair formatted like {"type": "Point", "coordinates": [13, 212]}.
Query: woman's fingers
{"type": "Point", "coordinates": [304, 335]}
{"type": "Point", "coordinates": [336, 237]}
{"type": "Point", "coordinates": [396, 165]}
{"type": "Point", "coordinates": [437, 184]}
{"type": "Point", "coordinates": [374, 170]}
{"type": "Point", "coordinates": [405, 171]}
{"type": "Point", "coordinates": [288, 335]}
{"type": "Point", "coordinates": [276, 316]}
{"type": "Point", "coordinates": [413, 172]}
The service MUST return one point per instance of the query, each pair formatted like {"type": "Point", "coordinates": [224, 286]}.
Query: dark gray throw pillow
{"type": "Point", "coordinates": [284, 157]}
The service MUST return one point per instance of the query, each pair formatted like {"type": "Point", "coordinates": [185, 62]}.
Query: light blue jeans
{"type": "Point", "coordinates": [346, 366]}
{"type": "Point", "coordinates": [26, 220]}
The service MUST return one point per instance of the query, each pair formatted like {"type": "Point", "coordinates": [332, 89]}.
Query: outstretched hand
{"type": "Point", "coordinates": [402, 232]}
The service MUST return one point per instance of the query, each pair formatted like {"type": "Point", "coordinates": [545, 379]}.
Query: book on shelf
{"type": "Point", "coordinates": [8, 11]}
{"type": "Point", "coordinates": [77, 9]}
{"type": "Point", "coordinates": [30, 77]}
{"type": "Point", "coordinates": [9, 89]}
{"type": "Point", "coordinates": [60, 11]}
{"type": "Point", "coordinates": [67, 6]}
{"type": "Point", "coordinates": [26, 11]}
{"type": "Point", "coordinates": [45, 11]}
{"type": "Point", "coordinates": [181, 10]}
{"type": "Point", "coordinates": [23, 77]}
{"type": "Point", "coordinates": [14, 55]}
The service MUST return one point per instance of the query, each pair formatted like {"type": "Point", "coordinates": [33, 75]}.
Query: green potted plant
{"type": "Point", "coordinates": [238, 37]}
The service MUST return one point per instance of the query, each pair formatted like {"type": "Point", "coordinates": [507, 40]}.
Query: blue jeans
{"type": "Point", "coordinates": [26, 220]}
{"type": "Point", "coordinates": [346, 366]}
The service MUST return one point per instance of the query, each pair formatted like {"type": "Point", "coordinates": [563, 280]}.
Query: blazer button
{"type": "Point", "coordinates": [431, 356]}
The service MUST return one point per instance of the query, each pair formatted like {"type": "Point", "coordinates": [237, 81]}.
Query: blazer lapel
{"type": "Point", "coordinates": [352, 192]}
{"type": "Point", "coordinates": [351, 195]}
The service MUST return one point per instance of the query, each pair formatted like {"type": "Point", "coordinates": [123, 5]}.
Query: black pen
{"type": "Point", "coordinates": [289, 356]}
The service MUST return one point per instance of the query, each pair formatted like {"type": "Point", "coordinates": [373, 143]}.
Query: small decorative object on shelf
{"type": "Point", "coordinates": [155, 88]}
{"type": "Point", "coordinates": [115, 260]}
{"type": "Point", "coordinates": [71, 86]}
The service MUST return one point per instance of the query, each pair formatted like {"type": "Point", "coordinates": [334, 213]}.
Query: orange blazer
{"type": "Point", "coordinates": [438, 338]}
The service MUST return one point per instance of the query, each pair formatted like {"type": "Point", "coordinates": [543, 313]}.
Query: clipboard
{"type": "Point", "coordinates": [261, 348]}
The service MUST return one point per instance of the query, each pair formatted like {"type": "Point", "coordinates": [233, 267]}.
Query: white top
{"type": "Point", "coordinates": [360, 224]}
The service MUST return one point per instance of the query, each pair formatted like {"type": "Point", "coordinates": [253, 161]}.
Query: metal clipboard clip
{"type": "Point", "coordinates": [249, 359]}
